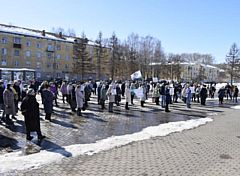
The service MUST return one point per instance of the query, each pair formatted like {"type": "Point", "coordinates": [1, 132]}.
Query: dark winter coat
{"type": "Point", "coordinates": [30, 110]}
{"type": "Point", "coordinates": [221, 93]}
{"type": "Point", "coordinates": [203, 93]}
{"type": "Point", "coordinates": [1, 94]}
{"type": "Point", "coordinates": [48, 98]}
{"type": "Point", "coordinates": [168, 97]}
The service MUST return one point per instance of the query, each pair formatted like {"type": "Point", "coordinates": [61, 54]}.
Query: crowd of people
{"type": "Point", "coordinates": [77, 95]}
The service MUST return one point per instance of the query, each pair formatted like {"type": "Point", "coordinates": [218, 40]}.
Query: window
{"type": "Point", "coordinates": [67, 48]}
{"type": "Point", "coordinates": [39, 55]}
{"type": "Point", "coordinates": [58, 47]}
{"type": "Point", "coordinates": [50, 47]}
{"type": "Point", "coordinates": [66, 66]}
{"type": "Point", "coordinates": [49, 55]}
{"type": "Point", "coordinates": [28, 53]}
{"type": "Point", "coordinates": [16, 63]}
{"type": "Point", "coordinates": [67, 58]}
{"type": "Point", "coordinates": [28, 43]}
{"type": "Point", "coordinates": [4, 62]}
{"type": "Point", "coordinates": [16, 52]}
{"type": "Point", "coordinates": [39, 45]}
{"type": "Point", "coordinates": [48, 65]}
{"type": "Point", "coordinates": [28, 63]}
{"type": "Point", "coordinates": [58, 56]}
{"type": "Point", "coordinates": [4, 51]}
{"type": "Point", "coordinates": [4, 40]}
{"type": "Point", "coordinates": [38, 75]}
{"type": "Point", "coordinates": [38, 65]}
{"type": "Point", "coordinates": [17, 40]}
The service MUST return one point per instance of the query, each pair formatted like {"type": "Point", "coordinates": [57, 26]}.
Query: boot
{"type": "Point", "coordinates": [79, 112]}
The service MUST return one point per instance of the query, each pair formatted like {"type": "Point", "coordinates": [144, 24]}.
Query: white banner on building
{"type": "Point", "coordinates": [136, 75]}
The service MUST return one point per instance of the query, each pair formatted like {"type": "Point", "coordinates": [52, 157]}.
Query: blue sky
{"type": "Point", "coordinates": [208, 27]}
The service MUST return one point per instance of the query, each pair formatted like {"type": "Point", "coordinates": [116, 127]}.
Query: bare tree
{"type": "Point", "coordinates": [232, 59]}
{"type": "Point", "coordinates": [99, 53]}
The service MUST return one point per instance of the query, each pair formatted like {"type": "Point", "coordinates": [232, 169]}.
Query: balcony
{"type": "Point", "coordinates": [17, 45]}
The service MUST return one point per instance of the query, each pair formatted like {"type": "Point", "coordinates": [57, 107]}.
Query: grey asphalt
{"type": "Point", "coordinates": [211, 149]}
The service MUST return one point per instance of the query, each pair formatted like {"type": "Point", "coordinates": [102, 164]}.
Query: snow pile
{"type": "Point", "coordinates": [236, 107]}
{"type": "Point", "coordinates": [17, 161]}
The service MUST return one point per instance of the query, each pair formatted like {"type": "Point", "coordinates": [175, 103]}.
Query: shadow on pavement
{"type": "Point", "coordinates": [7, 142]}
{"type": "Point", "coordinates": [52, 147]}
{"type": "Point", "coordinates": [93, 117]}
{"type": "Point", "coordinates": [64, 124]}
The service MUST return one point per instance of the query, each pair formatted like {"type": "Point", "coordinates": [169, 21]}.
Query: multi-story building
{"type": "Point", "coordinates": [187, 72]}
{"type": "Point", "coordinates": [50, 55]}
{"type": "Point", "coordinates": [199, 72]}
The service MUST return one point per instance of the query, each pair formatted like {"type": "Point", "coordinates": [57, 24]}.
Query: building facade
{"type": "Point", "coordinates": [186, 72]}
{"type": "Point", "coordinates": [50, 55]}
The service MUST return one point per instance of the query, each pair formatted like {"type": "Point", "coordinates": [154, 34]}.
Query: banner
{"type": "Point", "coordinates": [138, 93]}
{"type": "Point", "coordinates": [136, 75]}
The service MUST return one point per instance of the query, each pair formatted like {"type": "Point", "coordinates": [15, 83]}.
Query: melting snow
{"type": "Point", "coordinates": [18, 161]}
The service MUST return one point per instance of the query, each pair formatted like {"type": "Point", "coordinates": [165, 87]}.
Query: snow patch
{"type": "Point", "coordinates": [236, 107]}
{"type": "Point", "coordinates": [18, 161]}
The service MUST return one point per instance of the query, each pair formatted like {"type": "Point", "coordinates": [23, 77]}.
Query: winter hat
{"type": "Point", "coordinates": [31, 92]}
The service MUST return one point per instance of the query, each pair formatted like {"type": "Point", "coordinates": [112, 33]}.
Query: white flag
{"type": "Point", "coordinates": [136, 75]}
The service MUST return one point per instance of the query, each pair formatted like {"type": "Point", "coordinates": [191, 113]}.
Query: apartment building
{"type": "Point", "coordinates": [199, 72]}
{"type": "Point", "coordinates": [187, 72]}
{"type": "Point", "coordinates": [50, 55]}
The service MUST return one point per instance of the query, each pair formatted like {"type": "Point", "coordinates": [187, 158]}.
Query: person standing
{"type": "Point", "coordinates": [16, 87]}
{"type": "Point", "coordinates": [8, 98]}
{"type": "Point", "coordinates": [111, 97]}
{"type": "Point", "coordinates": [79, 99]}
{"type": "Point", "coordinates": [203, 95]}
{"type": "Point", "coordinates": [235, 93]}
{"type": "Point", "coordinates": [163, 95]}
{"type": "Point", "coordinates": [127, 96]}
{"type": "Point", "coordinates": [188, 96]}
{"type": "Point", "coordinates": [168, 99]}
{"type": "Point", "coordinates": [1, 99]}
{"type": "Point", "coordinates": [123, 88]}
{"type": "Point", "coordinates": [132, 88]}
{"type": "Point", "coordinates": [143, 97]}
{"type": "Point", "coordinates": [103, 95]}
{"type": "Point", "coordinates": [156, 93]}
{"type": "Point", "coordinates": [221, 94]}
{"type": "Point", "coordinates": [63, 90]}
{"type": "Point", "coordinates": [54, 90]}
{"type": "Point", "coordinates": [48, 98]}
{"type": "Point", "coordinates": [30, 111]}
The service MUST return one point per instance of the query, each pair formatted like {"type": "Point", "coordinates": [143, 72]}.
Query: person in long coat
{"type": "Point", "coordinates": [79, 99]}
{"type": "Point", "coordinates": [111, 97]}
{"type": "Point", "coordinates": [8, 98]}
{"type": "Point", "coordinates": [203, 95]}
{"type": "Point", "coordinates": [188, 96]}
{"type": "Point", "coordinates": [221, 94]}
{"type": "Point", "coordinates": [30, 111]}
{"type": "Point", "coordinates": [63, 90]}
{"type": "Point", "coordinates": [168, 99]}
{"type": "Point", "coordinates": [156, 93]}
{"type": "Point", "coordinates": [127, 96]}
{"type": "Point", "coordinates": [103, 95]}
{"type": "Point", "coordinates": [48, 98]}
{"type": "Point", "coordinates": [143, 97]}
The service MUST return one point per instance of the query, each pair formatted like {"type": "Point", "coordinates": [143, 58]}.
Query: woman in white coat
{"type": "Point", "coordinates": [128, 95]}
{"type": "Point", "coordinates": [79, 99]}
